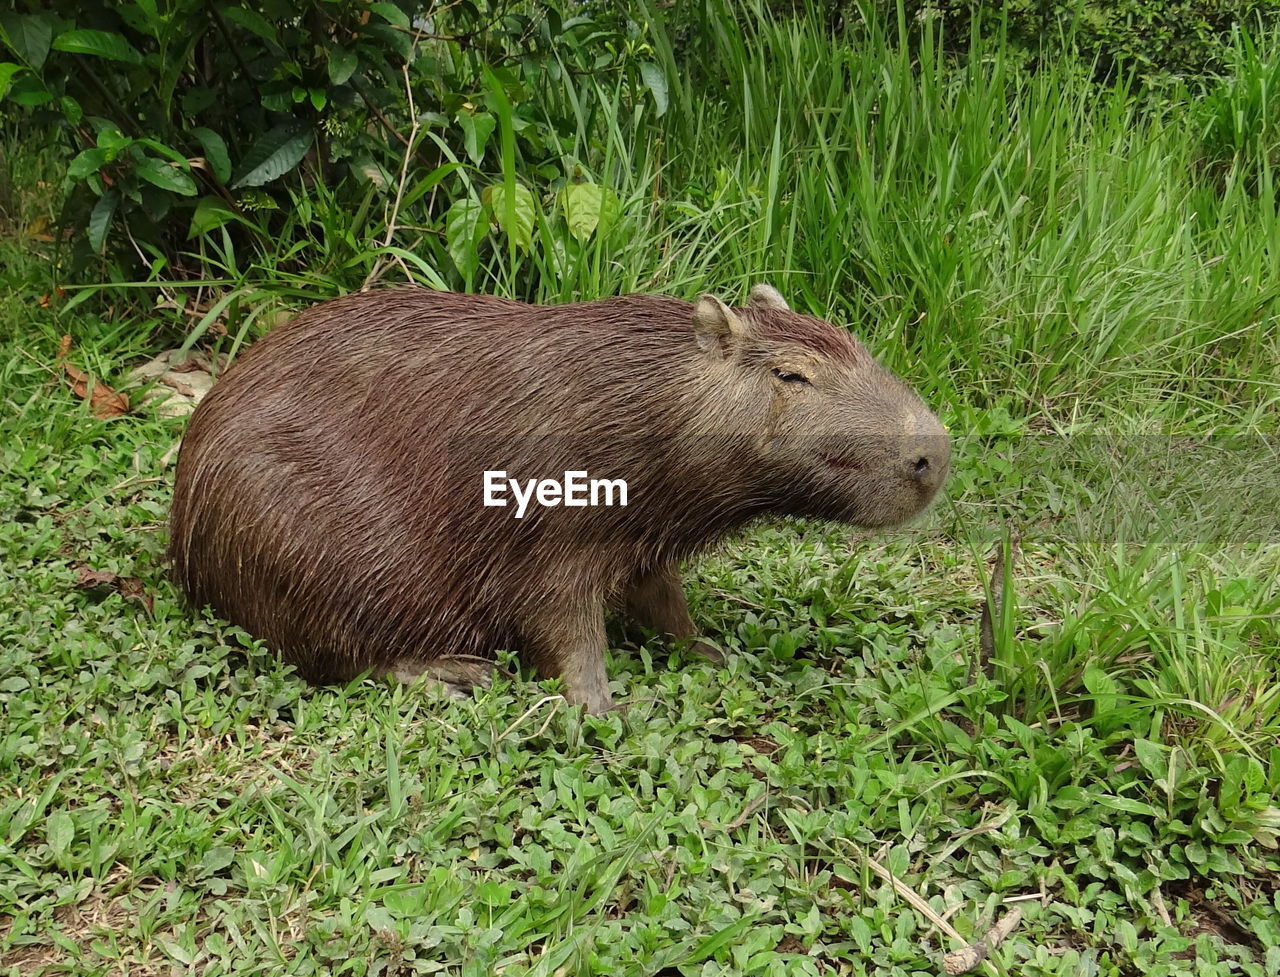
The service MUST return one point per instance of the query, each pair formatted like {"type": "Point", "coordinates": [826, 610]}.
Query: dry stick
{"type": "Point", "coordinates": [962, 961]}
{"type": "Point", "coordinates": [530, 711]}
{"type": "Point", "coordinates": [971, 956]}
{"type": "Point", "coordinates": [378, 265]}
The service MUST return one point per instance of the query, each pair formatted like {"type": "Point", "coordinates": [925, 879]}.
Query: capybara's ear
{"type": "Point", "coordinates": [766, 296]}
{"type": "Point", "coordinates": [716, 327]}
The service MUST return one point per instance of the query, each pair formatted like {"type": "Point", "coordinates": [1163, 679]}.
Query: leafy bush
{"type": "Point", "coordinates": [188, 116]}
{"type": "Point", "coordinates": [1162, 41]}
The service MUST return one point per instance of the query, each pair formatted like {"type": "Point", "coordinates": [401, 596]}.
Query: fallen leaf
{"type": "Point", "coordinates": [170, 381]}
{"type": "Point", "coordinates": [104, 401]}
{"type": "Point", "coordinates": [88, 579]}
{"type": "Point", "coordinates": [64, 347]}
{"type": "Point", "coordinates": [130, 588]}
{"type": "Point", "coordinates": [180, 381]}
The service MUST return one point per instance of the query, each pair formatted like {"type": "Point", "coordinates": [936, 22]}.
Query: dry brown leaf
{"type": "Point", "coordinates": [64, 347]}
{"type": "Point", "coordinates": [130, 588]}
{"type": "Point", "coordinates": [104, 401]}
{"type": "Point", "coordinates": [88, 579]}
{"type": "Point", "coordinates": [178, 385]}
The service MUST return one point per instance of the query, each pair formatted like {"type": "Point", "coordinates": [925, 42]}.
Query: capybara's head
{"type": "Point", "coordinates": [836, 435]}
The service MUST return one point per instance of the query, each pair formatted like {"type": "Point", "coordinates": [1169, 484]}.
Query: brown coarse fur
{"type": "Point", "coordinates": [330, 494]}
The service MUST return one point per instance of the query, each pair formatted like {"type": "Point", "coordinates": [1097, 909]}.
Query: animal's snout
{"type": "Point", "coordinates": [926, 455]}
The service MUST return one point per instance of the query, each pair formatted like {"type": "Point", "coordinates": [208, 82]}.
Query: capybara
{"type": "Point", "coordinates": [359, 490]}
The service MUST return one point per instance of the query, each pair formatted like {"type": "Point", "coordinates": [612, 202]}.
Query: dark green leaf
{"type": "Point", "coordinates": [342, 65]}
{"type": "Point", "coordinates": [100, 219]}
{"type": "Point", "coordinates": [28, 36]}
{"type": "Point", "coordinates": [215, 153]}
{"type": "Point", "coordinates": [253, 22]}
{"type": "Point", "coordinates": [384, 35]}
{"type": "Point", "coordinates": [476, 130]}
{"type": "Point", "coordinates": [391, 14]}
{"type": "Point", "coordinates": [273, 155]}
{"type": "Point", "coordinates": [463, 229]}
{"type": "Point", "coordinates": [166, 176]}
{"type": "Point", "coordinates": [99, 44]}
{"type": "Point", "coordinates": [29, 91]}
{"type": "Point", "coordinates": [210, 213]}
{"type": "Point", "coordinates": [85, 163]}
{"type": "Point", "coordinates": [656, 82]}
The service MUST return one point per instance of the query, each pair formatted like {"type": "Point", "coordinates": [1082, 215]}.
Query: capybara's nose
{"type": "Point", "coordinates": [926, 456]}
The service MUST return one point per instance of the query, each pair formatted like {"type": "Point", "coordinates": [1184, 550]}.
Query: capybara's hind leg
{"type": "Point", "coordinates": [456, 676]}
{"type": "Point", "coordinates": [657, 601]}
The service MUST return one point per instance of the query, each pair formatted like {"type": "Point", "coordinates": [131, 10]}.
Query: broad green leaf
{"type": "Point", "coordinates": [1127, 804]}
{"type": "Point", "coordinates": [464, 227]}
{"type": "Point", "coordinates": [514, 215]}
{"type": "Point", "coordinates": [7, 70]}
{"type": "Point", "coordinates": [166, 176]}
{"type": "Point", "coordinates": [1153, 758]}
{"type": "Point", "coordinates": [111, 140]}
{"type": "Point", "coordinates": [100, 44]}
{"type": "Point", "coordinates": [1103, 687]}
{"type": "Point", "coordinates": [100, 219]}
{"type": "Point", "coordinates": [342, 65]}
{"type": "Point", "coordinates": [253, 22]}
{"type": "Point", "coordinates": [28, 35]}
{"type": "Point", "coordinates": [656, 82]}
{"type": "Point", "coordinates": [587, 206]}
{"type": "Point", "coordinates": [409, 901]}
{"type": "Point", "coordinates": [216, 859]}
{"type": "Point", "coordinates": [215, 153]}
{"type": "Point", "coordinates": [318, 98]}
{"type": "Point", "coordinates": [273, 154]}
{"type": "Point", "coordinates": [71, 110]}
{"type": "Point", "coordinates": [476, 130]}
{"type": "Point", "coordinates": [387, 36]}
{"type": "Point", "coordinates": [60, 831]}
{"type": "Point", "coordinates": [86, 163]}
{"type": "Point", "coordinates": [210, 214]}
{"type": "Point", "coordinates": [391, 14]}
{"type": "Point", "coordinates": [30, 92]}
{"type": "Point", "coordinates": [168, 152]}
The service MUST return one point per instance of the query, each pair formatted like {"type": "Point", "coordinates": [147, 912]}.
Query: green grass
{"type": "Point", "coordinates": [1084, 285]}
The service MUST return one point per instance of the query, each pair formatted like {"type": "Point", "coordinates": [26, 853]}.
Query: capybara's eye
{"type": "Point", "coordinates": [786, 376]}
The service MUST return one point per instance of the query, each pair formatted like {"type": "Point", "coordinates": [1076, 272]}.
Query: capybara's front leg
{"type": "Point", "coordinates": [566, 639]}
{"type": "Point", "coordinates": [656, 600]}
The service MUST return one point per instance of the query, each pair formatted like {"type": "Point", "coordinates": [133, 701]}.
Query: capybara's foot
{"type": "Point", "coordinates": [709, 652]}
{"type": "Point", "coordinates": [596, 706]}
{"type": "Point", "coordinates": [594, 697]}
{"type": "Point", "coordinates": [457, 677]}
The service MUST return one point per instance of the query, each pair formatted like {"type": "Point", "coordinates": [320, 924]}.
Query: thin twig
{"type": "Point", "coordinates": [530, 711]}
{"type": "Point", "coordinates": [414, 127]}
{"type": "Point", "coordinates": [962, 961]}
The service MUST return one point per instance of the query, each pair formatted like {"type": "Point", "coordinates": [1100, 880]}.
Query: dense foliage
{"type": "Point", "coordinates": [1161, 41]}
{"type": "Point", "coordinates": [186, 117]}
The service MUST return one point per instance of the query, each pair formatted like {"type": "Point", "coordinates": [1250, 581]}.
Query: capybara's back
{"type": "Point", "coordinates": [367, 488]}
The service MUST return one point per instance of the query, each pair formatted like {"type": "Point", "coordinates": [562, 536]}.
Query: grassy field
{"type": "Point", "coordinates": [1085, 285]}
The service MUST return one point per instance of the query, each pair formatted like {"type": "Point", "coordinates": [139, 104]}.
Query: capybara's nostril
{"type": "Point", "coordinates": [921, 467]}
